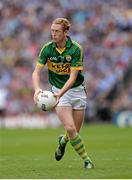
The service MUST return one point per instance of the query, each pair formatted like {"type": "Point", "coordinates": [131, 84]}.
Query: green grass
{"type": "Point", "coordinates": [29, 153]}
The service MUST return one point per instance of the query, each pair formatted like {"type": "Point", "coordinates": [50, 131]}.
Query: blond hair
{"type": "Point", "coordinates": [64, 22]}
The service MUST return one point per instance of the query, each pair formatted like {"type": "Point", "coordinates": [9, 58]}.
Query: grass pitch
{"type": "Point", "coordinates": [29, 153]}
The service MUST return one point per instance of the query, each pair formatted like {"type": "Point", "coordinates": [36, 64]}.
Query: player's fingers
{"type": "Point", "coordinates": [35, 99]}
{"type": "Point", "coordinates": [37, 92]}
{"type": "Point", "coordinates": [55, 95]}
{"type": "Point", "coordinates": [55, 105]}
{"type": "Point", "coordinates": [36, 95]}
{"type": "Point", "coordinates": [57, 100]}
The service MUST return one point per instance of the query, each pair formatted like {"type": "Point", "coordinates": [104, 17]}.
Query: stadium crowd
{"type": "Point", "coordinates": [102, 27]}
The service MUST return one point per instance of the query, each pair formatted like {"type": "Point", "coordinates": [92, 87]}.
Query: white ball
{"type": "Point", "coordinates": [46, 100]}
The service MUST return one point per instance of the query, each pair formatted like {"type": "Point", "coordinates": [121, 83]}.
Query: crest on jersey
{"type": "Point", "coordinates": [68, 58]}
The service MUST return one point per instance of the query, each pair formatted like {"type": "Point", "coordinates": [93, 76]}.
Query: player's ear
{"type": "Point", "coordinates": [65, 33]}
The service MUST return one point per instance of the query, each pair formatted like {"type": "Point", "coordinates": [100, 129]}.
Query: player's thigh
{"type": "Point", "coordinates": [78, 117]}
{"type": "Point", "coordinates": [65, 115]}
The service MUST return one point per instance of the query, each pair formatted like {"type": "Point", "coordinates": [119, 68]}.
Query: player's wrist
{"type": "Point", "coordinates": [37, 91]}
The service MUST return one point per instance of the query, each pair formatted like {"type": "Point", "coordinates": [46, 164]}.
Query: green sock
{"type": "Point", "coordinates": [79, 147]}
{"type": "Point", "coordinates": [64, 139]}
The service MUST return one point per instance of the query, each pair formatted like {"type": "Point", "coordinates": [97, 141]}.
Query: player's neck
{"type": "Point", "coordinates": [62, 44]}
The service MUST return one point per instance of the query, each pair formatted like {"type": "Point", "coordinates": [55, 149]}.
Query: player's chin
{"type": "Point", "coordinates": [55, 40]}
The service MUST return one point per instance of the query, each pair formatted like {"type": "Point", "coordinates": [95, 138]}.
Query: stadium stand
{"type": "Point", "coordinates": [104, 28]}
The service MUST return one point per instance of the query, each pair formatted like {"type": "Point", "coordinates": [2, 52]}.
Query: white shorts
{"type": "Point", "coordinates": [74, 97]}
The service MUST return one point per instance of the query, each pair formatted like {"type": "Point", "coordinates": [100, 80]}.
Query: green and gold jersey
{"type": "Point", "coordinates": [60, 62]}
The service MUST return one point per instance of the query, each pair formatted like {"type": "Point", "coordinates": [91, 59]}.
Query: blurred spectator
{"type": "Point", "coordinates": [104, 28]}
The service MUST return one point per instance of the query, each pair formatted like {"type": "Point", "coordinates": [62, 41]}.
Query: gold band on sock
{"type": "Point", "coordinates": [79, 147]}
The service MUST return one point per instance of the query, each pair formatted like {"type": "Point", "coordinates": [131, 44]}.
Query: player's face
{"type": "Point", "coordinates": [57, 33]}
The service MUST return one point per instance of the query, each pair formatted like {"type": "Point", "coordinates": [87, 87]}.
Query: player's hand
{"type": "Point", "coordinates": [36, 95]}
{"type": "Point", "coordinates": [57, 95]}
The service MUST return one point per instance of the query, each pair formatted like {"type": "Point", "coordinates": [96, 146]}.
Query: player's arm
{"type": "Point", "coordinates": [42, 59]}
{"type": "Point", "coordinates": [69, 83]}
{"type": "Point", "coordinates": [36, 80]}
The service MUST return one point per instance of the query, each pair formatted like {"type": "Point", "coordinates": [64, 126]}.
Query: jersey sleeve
{"type": "Point", "coordinates": [77, 60]}
{"type": "Point", "coordinates": [43, 56]}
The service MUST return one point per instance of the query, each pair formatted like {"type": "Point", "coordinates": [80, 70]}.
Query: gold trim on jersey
{"type": "Point", "coordinates": [77, 68]}
{"type": "Point", "coordinates": [59, 68]}
{"type": "Point", "coordinates": [60, 51]}
{"type": "Point", "coordinates": [40, 65]}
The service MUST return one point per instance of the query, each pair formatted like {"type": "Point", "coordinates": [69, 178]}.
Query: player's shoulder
{"type": "Point", "coordinates": [47, 45]}
{"type": "Point", "coordinates": [73, 44]}
{"type": "Point", "coordinates": [76, 44]}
